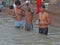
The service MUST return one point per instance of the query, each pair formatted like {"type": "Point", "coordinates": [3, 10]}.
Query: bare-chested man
{"type": "Point", "coordinates": [44, 20]}
{"type": "Point", "coordinates": [28, 19]}
{"type": "Point", "coordinates": [17, 15]}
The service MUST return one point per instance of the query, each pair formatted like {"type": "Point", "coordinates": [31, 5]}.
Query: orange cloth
{"type": "Point", "coordinates": [38, 3]}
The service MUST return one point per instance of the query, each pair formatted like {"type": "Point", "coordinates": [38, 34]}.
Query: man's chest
{"type": "Point", "coordinates": [18, 11]}
{"type": "Point", "coordinates": [42, 16]}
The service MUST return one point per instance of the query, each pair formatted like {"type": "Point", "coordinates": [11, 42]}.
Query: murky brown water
{"type": "Point", "coordinates": [12, 36]}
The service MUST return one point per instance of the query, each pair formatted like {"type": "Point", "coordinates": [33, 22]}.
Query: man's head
{"type": "Point", "coordinates": [27, 2]}
{"type": "Point", "coordinates": [11, 7]}
{"type": "Point", "coordinates": [17, 3]}
{"type": "Point", "coordinates": [42, 7]}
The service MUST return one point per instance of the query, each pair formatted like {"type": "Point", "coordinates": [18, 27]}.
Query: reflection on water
{"type": "Point", "coordinates": [12, 36]}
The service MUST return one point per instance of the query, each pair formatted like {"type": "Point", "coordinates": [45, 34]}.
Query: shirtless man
{"type": "Point", "coordinates": [44, 20]}
{"type": "Point", "coordinates": [17, 15]}
{"type": "Point", "coordinates": [28, 19]}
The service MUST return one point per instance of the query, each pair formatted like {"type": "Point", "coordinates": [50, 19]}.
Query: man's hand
{"type": "Point", "coordinates": [13, 16]}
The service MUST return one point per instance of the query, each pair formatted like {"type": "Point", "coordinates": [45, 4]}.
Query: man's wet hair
{"type": "Point", "coordinates": [42, 6]}
{"type": "Point", "coordinates": [11, 7]}
{"type": "Point", "coordinates": [17, 2]}
{"type": "Point", "coordinates": [27, 4]}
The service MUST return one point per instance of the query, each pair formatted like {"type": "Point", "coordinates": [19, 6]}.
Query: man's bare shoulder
{"type": "Point", "coordinates": [46, 13]}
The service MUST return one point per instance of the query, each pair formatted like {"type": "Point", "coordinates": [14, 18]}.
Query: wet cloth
{"type": "Point", "coordinates": [43, 31]}
{"type": "Point", "coordinates": [19, 23]}
{"type": "Point", "coordinates": [28, 26]}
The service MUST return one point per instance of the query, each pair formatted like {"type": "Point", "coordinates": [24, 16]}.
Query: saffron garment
{"type": "Point", "coordinates": [38, 3]}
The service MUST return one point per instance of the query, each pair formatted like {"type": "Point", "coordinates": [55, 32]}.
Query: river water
{"type": "Point", "coordinates": [9, 35]}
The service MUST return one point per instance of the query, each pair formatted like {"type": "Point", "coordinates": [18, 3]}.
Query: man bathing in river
{"type": "Point", "coordinates": [44, 20]}
{"type": "Point", "coordinates": [17, 15]}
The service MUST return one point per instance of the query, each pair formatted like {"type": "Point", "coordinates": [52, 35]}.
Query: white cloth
{"type": "Point", "coordinates": [14, 5]}
{"type": "Point", "coordinates": [27, 1]}
{"type": "Point", "coordinates": [30, 5]}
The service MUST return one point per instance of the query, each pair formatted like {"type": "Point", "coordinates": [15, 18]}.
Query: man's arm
{"type": "Point", "coordinates": [48, 19]}
{"type": "Point", "coordinates": [22, 4]}
{"type": "Point", "coordinates": [23, 12]}
{"type": "Point", "coordinates": [13, 14]}
{"type": "Point", "coordinates": [38, 17]}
